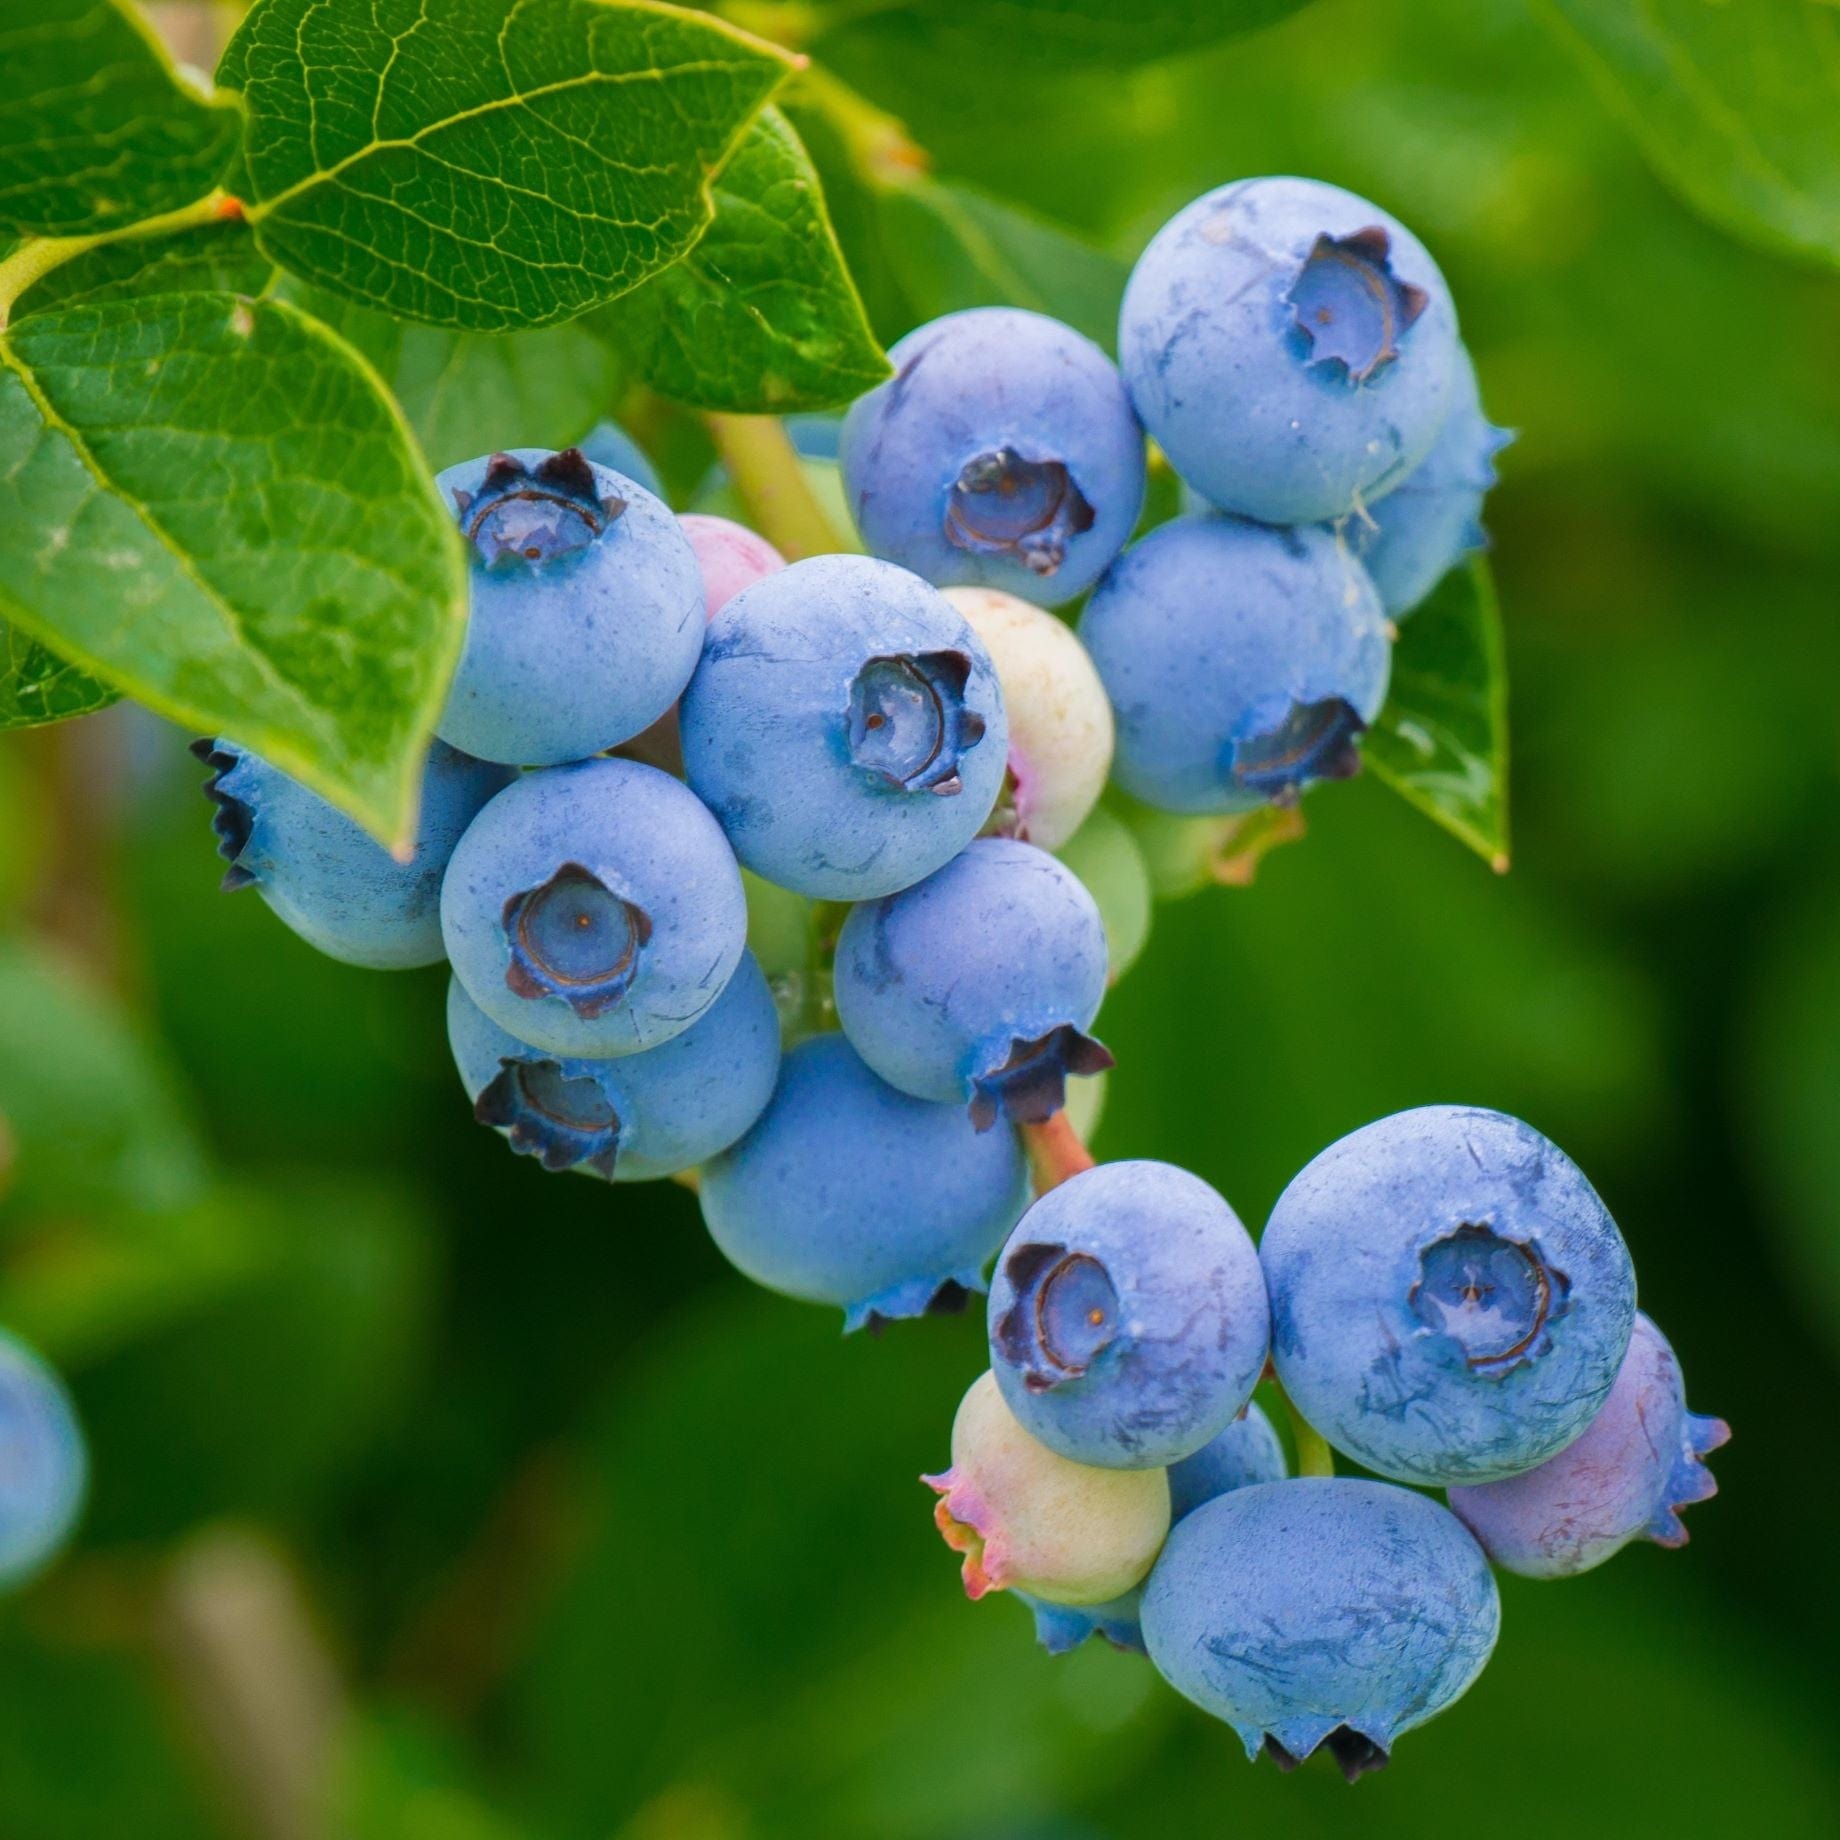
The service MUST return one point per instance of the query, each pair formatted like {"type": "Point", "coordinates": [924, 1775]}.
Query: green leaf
{"type": "Point", "coordinates": [206, 258]}
{"type": "Point", "coordinates": [38, 686]}
{"type": "Point", "coordinates": [1735, 106]}
{"type": "Point", "coordinates": [458, 163]}
{"type": "Point", "coordinates": [465, 393]}
{"type": "Point", "coordinates": [761, 317]}
{"type": "Point", "coordinates": [97, 130]}
{"type": "Point", "coordinates": [1442, 739]}
{"type": "Point", "coordinates": [209, 503]}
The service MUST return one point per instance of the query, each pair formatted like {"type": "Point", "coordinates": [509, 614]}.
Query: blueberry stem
{"type": "Point", "coordinates": [768, 478]}
{"type": "Point", "coordinates": [1314, 1457]}
{"type": "Point", "coordinates": [1055, 1152]}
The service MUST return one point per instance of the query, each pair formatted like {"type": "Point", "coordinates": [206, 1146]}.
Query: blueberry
{"type": "Point", "coordinates": [1061, 1628]}
{"type": "Point", "coordinates": [976, 986]}
{"type": "Point", "coordinates": [338, 888]}
{"type": "Point", "coordinates": [1128, 1321]}
{"type": "Point", "coordinates": [44, 1468]}
{"type": "Point", "coordinates": [594, 909]}
{"type": "Point", "coordinates": [609, 446]}
{"type": "Point", "coordinates": [1242, 662]}
{"type": "Point", "coordinates": [846, 727]}
{"type": "Point", "coordinates": [849, 1193]}
{"type": "Point", "coordinates": [636, 1116]}
{"type": "Point", "coordinates": [1291, 347]}
{"type": "Point", "coordinates": [1626, 1477]}
{"type": "Point", "coordinates": [1060, 723]}
{"type": "Point", "coordinates": [1323, 1610]}
{"type": "Point", "coordinates": [1432, 519]}
{"type": "Point", "coordinates": [1001, 454]}
{"type": "Point", "coordinates": [587, 608]}
{"type": "Point", "coordinates": [730, 557]}
{"type": "Point", "coordinates": [1450, 1299]}
{"type": "Point", "coordinates": [1029, 1520]}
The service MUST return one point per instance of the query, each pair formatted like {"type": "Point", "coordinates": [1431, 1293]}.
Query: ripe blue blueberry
{"type": "Point", "coordinates": [1291, 347]}
{"type": "Point", "coordinates": [338, 888]}
{"type": "Point", "coordinates": [636, 1116]}
{"type": "Point", "coordinates": [1128, 1320]}
{"type": "Point", "coordinates": [1432, 519]}
{"type": "Point", "coordinates": [1321, 1611]}
{"type": "Point", "coordinates": [610, 447]}
{"type": "Point", "coordinates": [587, 608]}
{"type": "Point", "coordinates": [43, 1465]}
{"type": "Point", "coordinates": [976, 986]}
{"type": "Point", "coordinates": [1627, 1477]}
{"type": "Point", "coordinates": [846, 727]}
{"type": "Point", "coordinates": [849, 1193]}
{"type": "Point", "coordinates": [1001, 454]}
{"type": "Point", "coordinates": [1450, 1299]}
{"type": "Point", "coordinates": [594, 909]}
{"type": "Point", "coordinates": [1242, 662]}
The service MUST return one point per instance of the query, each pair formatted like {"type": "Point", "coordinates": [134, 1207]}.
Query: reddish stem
{"type": "Point", "coordinates": [1055, 1152]}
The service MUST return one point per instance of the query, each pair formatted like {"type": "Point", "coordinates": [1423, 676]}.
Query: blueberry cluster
{"type": "Point", "coordinates": [781, 879]}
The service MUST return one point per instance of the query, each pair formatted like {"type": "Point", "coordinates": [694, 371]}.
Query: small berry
{"type": "Point", "coordinates": [338, 888]}
{"type": "Point", "coordinates": [1290, 347]}
{"type": "Point", "coordinates": [1060, 724]}
{"type": "Point", "coordinates": [634, 1117]}
{"type": "Point", "coordinates": [587, 608]}
{"type": "Point", "coordinates": [1450, 1299]}
{"type": "Point", "coordinates": [1029, 1520]}
{"type": "Point", "coordinates": [1003, 453]}
{"type": "Point", "coordinates": [976, 986]}
{"type": "Point", "coordinates": [1626, 1477]}
{"type": "Point", "coordinates": [730, 556]}
{"type": "Point", "coordinates": [44, 1468]}
{"type": "Point", "coordinates": [1128, 1320]}
{"type": "Point", "coordinates": [594, 909]}
{"type": "Point", "coordinates": [1243, 663]}
{"type": "Point", "coordinates": [846, 727]}
{"type": "Point", "coordinates": [849, 1193]}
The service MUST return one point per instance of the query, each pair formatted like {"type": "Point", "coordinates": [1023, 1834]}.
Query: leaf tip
{"type": "Point", "coordinates": [1499, 862]}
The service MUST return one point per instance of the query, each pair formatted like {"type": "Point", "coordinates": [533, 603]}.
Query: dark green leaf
{"type": "Point", "coordinates": [97, 131]}
{"type": "Point", "coordinates": [1737, 107]}
{"type": "Point", "coordinates": [761, 317]}
{"type": "Point", "coordinates": [208, 502]}
{"type": "Point", "coordinates": [465, 393]}
{"type": "Point", "coordinates": [206, 258]}
{"type": "Point", "coordinates": [449, 161]}
{"type": "Point", "coordinates": [37, 686]}
{"type": "Point", "coordinates": [1442, 739]}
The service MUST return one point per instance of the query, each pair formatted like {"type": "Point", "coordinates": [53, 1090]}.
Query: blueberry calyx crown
{"type": "Point", "coordinates": [572, 937]}
{"type": "Point", "coordinates": [233, 820]}
{"type": "Point", "coordinates": [1030, 1084]}
{"type": "Point", "coordinates": [1349, 305]}
{"type": "Point", "coordinates": [1496, 1298]}
{"type": "Point", "coordinates": [1065, 1315]}
{"type": "Point", "coordinates": [1354, 1752]}
{"type": "Point", "coordinates": [525, 514]}
{"type": "Point", "coordinates": [562, 1122]}
{"type": "Point", "coordinates": [1005, 504]}
{"type": "Point", "coordinates": [1313, 741]}
{"type": "Point", "coordinates": [908, 723]}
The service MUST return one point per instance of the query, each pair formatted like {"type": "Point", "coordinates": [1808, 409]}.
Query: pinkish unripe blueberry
{"type": "Point", "coordinates": [731, 557]}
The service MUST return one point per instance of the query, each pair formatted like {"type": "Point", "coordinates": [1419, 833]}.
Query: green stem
{"type": "Point", "coordinates": [884, 154]}
{"type": "Point", "coordinates": [1314, 1457]}
{"type": "Point", "coordinates": [764, 468]}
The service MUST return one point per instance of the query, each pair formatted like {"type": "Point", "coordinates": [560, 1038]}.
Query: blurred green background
{"type": "Point", "coordinates": [508, 1488]}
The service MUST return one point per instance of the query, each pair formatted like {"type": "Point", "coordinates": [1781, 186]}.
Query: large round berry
{"type": "Point", "coordinates": [849, 1193]}
{"type": "Point", "coordinates": [1243, 662]}
{"type": "Point", "coordinates": [1450, 1299]}
{"type": "Point", "coordinates": [1637, 1464]}
{"type": "Point", "coordinates": [977, 985]}
{"type": "Point", "coordinates": [846, 727]}
{"type": "Point", "coordinates": [1029, 1520]}
{"type": "Point", "coordinates": [1432, 519]}
{"type": "Point", "coordinates": [587, 608]}
{"type": "Point", "coordinates": [594, 909]}
{"type": "Point", "coordinates": [1322, 1610]}
{"type": "Point", "coordinates": [635, 1116]}
{"type": "Point", "coordinates": [43, 1464]}
{"type": "Point", "coordinates": [1060, 723]}
{"type": "Point", "coordinates": [1128, 1321]}
{"type": "Point", "coordinates": [337, 887]}
{"type": "Point", "coordinates": [1291, 347]}
{"type": "Point", "coordinates": [1002, 453]}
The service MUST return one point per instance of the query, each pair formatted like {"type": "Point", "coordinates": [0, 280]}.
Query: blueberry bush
{"type": "Point", "coordinates": [787, 568]}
